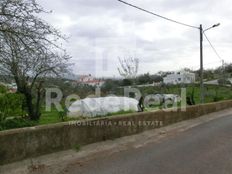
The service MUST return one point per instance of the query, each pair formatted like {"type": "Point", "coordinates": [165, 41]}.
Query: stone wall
{"type": "Point", "coordinates": [30, 142]}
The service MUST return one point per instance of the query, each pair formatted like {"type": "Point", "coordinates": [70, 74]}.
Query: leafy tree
{"type": "Point", "coordinates": [143, 79]}
{"type": "Point", "coordinates": [156, 78]}
{"type": "Point", "coordinates": [110, 85]}
{"type": "Point", "coordinates": [29, 50]}
{"type": "Point", "coordinates": [126, 82]}
{"type": "Point", "coordinates": [11, 104]}
{"type": "Point", "coordinates": [228, 68]}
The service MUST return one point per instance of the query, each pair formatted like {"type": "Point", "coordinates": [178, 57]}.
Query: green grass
{"type": "Point", "coordinates": [49, 117]}
{"type": "Point", "coordinates": [53, 117]}
{"type": "Point", "coordinates": [212, 93]}
{"type": "Point", "coordinates": [120, 113]}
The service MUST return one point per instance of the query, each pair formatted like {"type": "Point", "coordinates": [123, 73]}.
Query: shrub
{"type": "Point", "coordinates": [63, 114]}
{"type": "Point", "coordinates": [16, 123]}
{"type": "Point", "coordinates": [3, 89]}
{"type": "Point", "coordinates": [77, 147]}
{"type": "Point", "coordinates": [11, 104]}
{"type": "Point", "coordinates": [2, 116]}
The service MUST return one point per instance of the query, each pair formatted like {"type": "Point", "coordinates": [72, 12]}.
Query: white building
{"type": "Point", "coordinates": [180, 77]}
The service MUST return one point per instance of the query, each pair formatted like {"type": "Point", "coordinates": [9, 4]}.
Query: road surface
{"type": "Point", "coordinates": [204, 149]}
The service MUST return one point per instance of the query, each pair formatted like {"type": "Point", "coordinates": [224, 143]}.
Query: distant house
{"type": "Point", "coordinates": [90, 80]}
{"type": "Point", "coordinates": [179, 77]}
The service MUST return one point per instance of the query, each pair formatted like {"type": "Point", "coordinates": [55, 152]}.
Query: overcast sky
{"type": "Point", "coordinates": [100, 31]}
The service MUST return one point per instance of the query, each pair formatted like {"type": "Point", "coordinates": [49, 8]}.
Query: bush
{"type": "Point", "coordinates": [127, 82]}
{"type": "Point", "coordinates": [3, 89]}
{"type": "Point", "coordinates": [11, 104]}
{"type": "Point", "coordinates": [16, 123]}
{"type": "Point", "coordinates": [2, 116]}
{"type": "Point", "coordinates": [77, 147]}
{"type": "Point", "coordinates": [217, 98]}
{"type": "Point", "coordinates": [63, 114]}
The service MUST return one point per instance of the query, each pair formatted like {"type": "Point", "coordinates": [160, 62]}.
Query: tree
{"type": "Point", "coordinates": [228, 68]}
{"type": "Point", "coordinates": [110, 85]}
{"type": "Point", "coordinates": [144, 79]}
{"type": "Point", "coordinates": [129, 67]}
{"type": "Point", "coordinates": [29, 50]}
{"type": "Point", "coordinates": [156, 78]}
{"type": "Point", "coordinates": [126, 82]}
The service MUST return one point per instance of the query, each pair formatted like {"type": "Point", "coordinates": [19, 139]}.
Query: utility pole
{"type": "Point", "coordinates": [201, 66]}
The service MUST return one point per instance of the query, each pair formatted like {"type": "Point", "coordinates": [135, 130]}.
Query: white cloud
{"type": "Point", "coordinates": [119, 30]}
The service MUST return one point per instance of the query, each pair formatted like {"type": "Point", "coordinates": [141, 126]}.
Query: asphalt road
{"type": "Point", "coordinates": [204, 149]}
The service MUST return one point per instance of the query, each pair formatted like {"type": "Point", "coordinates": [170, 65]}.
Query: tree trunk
{"type": "Point", "coordinates": [30, 107]}
{"type": "Point", "coordinates": [37, 106]}
{"type": "Point", "coordinates": [33, 111]}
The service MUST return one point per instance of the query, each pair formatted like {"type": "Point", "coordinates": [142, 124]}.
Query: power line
{"type": "Point", "coordinates": [215, 51]}
{"type": "Point", "coordinates": [223, 65]}
{"type": "Point", "coordinates": [139, 8]}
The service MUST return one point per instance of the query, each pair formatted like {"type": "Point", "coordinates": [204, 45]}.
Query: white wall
{"type": "Point", "coordinates": [181, 77]}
